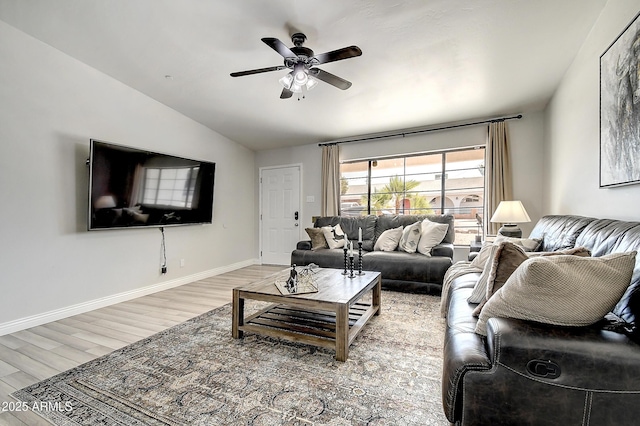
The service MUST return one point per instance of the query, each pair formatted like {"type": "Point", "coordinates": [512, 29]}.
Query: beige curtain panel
{"type": "Point", "coordinates": [330, 203]}
{"type": "Point", "coordinates": [498, 183]}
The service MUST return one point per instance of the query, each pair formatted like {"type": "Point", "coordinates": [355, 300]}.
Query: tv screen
{"type": "Point", "coordinates": [134, 188]}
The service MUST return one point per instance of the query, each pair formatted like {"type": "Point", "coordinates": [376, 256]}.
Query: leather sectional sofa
{"type": "Point", "coordinates": [400, 270]}
{"type": "Point", "coordinates": [528, 373]}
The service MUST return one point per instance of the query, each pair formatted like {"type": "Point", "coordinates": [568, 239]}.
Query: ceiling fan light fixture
{"type": "Point", "coordinates": [287, 81]}
{"type": "Point", "coordinates": [300, 76]}
{"type": "Point", "coordinates": [311, 83]}
{"type": "Point", "coordinates": [299, 88]}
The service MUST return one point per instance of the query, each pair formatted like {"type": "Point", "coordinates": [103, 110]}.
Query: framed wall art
{"type": "Point", "coordinates": [620, 109]}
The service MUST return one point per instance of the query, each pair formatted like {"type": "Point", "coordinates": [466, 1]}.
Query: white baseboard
{"type": "Point", "coordinates": [55, 315]}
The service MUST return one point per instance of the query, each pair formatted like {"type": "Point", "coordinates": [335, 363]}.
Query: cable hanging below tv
{"type": "Point", "coordinates": [135, 188]}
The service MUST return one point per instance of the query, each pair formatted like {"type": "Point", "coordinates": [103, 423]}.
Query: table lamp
{"type": "Point", "coordinates": [105, 202]}
{"type": "Point", "coordinates": [510, 213]}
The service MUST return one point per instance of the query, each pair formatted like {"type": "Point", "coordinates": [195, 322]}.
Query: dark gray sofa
{"type": "Point", "coordinates": [527, 373]}
{"type": "Point", "coordinates": [400, 270]}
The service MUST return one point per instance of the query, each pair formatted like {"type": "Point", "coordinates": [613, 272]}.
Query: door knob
{"type": "Point", "coordinates": [295, 216]}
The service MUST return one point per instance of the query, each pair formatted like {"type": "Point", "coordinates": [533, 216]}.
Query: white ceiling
{"type": "Point", "coordinates": [424, 62]}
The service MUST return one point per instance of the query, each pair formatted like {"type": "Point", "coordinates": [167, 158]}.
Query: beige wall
{"type": "Point", "coordinates": [572, 130]}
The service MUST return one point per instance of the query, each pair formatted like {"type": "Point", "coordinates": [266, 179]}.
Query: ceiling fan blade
{"type": "Point", "coordinates": [286, 93]}
{"type": "Point", "coordinates": [327, 77]}
{"type": "Point", "coordinates": [279, 47]}
{"type": "Point", "coordinates": [338, 55]}
{"type": "Point", "coordinates": [257, 71]}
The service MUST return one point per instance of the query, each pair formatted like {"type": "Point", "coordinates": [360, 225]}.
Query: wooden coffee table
{"type": "Point", "coordinates": [330, 318]}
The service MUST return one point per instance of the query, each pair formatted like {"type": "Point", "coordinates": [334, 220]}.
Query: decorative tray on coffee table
{"type": "Point", "coordinates": [298, 281]}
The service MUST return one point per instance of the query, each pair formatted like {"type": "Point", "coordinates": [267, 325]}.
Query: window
{"type": "Point", "coordinates": [169, 186]}
{"type": "Point", "coordinates": [436, 183]}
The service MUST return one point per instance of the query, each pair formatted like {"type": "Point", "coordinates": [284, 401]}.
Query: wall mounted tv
{"type": "Point", "coordinates": [134, 188]}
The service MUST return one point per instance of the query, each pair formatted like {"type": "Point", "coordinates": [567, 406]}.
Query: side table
{"type": "Point", "coordinates": [474, 249]}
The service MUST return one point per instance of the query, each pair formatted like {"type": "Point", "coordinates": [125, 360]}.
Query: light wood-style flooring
{"type": "Point", "coordinates": [32, 355]}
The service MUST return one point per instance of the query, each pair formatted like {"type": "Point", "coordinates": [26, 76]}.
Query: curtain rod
{"type": "Point", "coordinates": [414, 132]}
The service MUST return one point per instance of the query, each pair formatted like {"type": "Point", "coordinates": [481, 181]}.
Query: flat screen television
{"type": "Point", "coordinates": [135, 188]}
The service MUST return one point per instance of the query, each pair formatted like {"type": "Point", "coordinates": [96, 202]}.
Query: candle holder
{"type": "Point", "coordinates": [346, 265]}
{"type": "Point", "coordinates": [360, 258]}
{"type": "Point", "coordinates": [351, 274]}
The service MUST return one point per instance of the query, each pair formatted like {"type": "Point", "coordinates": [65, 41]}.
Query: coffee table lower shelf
{"type": "Point", "coordinates": [316, 328]}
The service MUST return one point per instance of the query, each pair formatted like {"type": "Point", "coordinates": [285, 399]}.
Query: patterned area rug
{"type": "Point", "coordinates": [196, 374]}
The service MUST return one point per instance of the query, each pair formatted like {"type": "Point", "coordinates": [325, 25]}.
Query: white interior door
{"type": "Point", "coordinates": [279, 213]}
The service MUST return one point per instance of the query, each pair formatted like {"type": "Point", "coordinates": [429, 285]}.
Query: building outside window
{"type": "Point", "coordinates": [450, 182]}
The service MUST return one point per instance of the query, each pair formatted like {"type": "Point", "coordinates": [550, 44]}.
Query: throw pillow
{"type": "Point", "coordinates": [431, 234]}
{"type": "Point", "coordinates": [577, 251]}
{"type": "Point", "coordinates": [483, 255]}
{"type": "Point", "coordinates": [335, 236]}
{"type": "Point", "coordinates": [479, 292]}
{"type": "Point", "coordinates": [561, 290]}
{"type": "Point", "coordinates": [410, 238]}
{"type": "Point", "coordinates": [389, 239]}
{"type": "Point", "coordinates": [529, 244]}
{"type": "Point", "coordinates": [318, 241]}
{"type": "Point", "coordinates": [506, 259]}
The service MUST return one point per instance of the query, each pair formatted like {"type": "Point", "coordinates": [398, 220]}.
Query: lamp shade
{"type": "Point", "coordinates": [105, 202]}
{"type": "Point", "coordinates": [510, 212]}
{"type": "Point", "coordinates": [287, 80]}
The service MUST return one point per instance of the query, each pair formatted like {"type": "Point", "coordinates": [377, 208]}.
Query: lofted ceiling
{"type": "Point", "coordinates": [424, 62]}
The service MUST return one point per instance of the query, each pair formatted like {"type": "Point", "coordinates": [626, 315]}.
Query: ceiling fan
{"type": "Point", "coordinates": [302, 62]}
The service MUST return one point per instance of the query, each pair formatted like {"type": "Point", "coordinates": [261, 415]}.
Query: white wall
{"type": "Point", "coordinates": [572, 117]}
{"type": "Point", "coordinates": [50, 106]}
{"type": "Point", "coordinates": [527, 141]}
